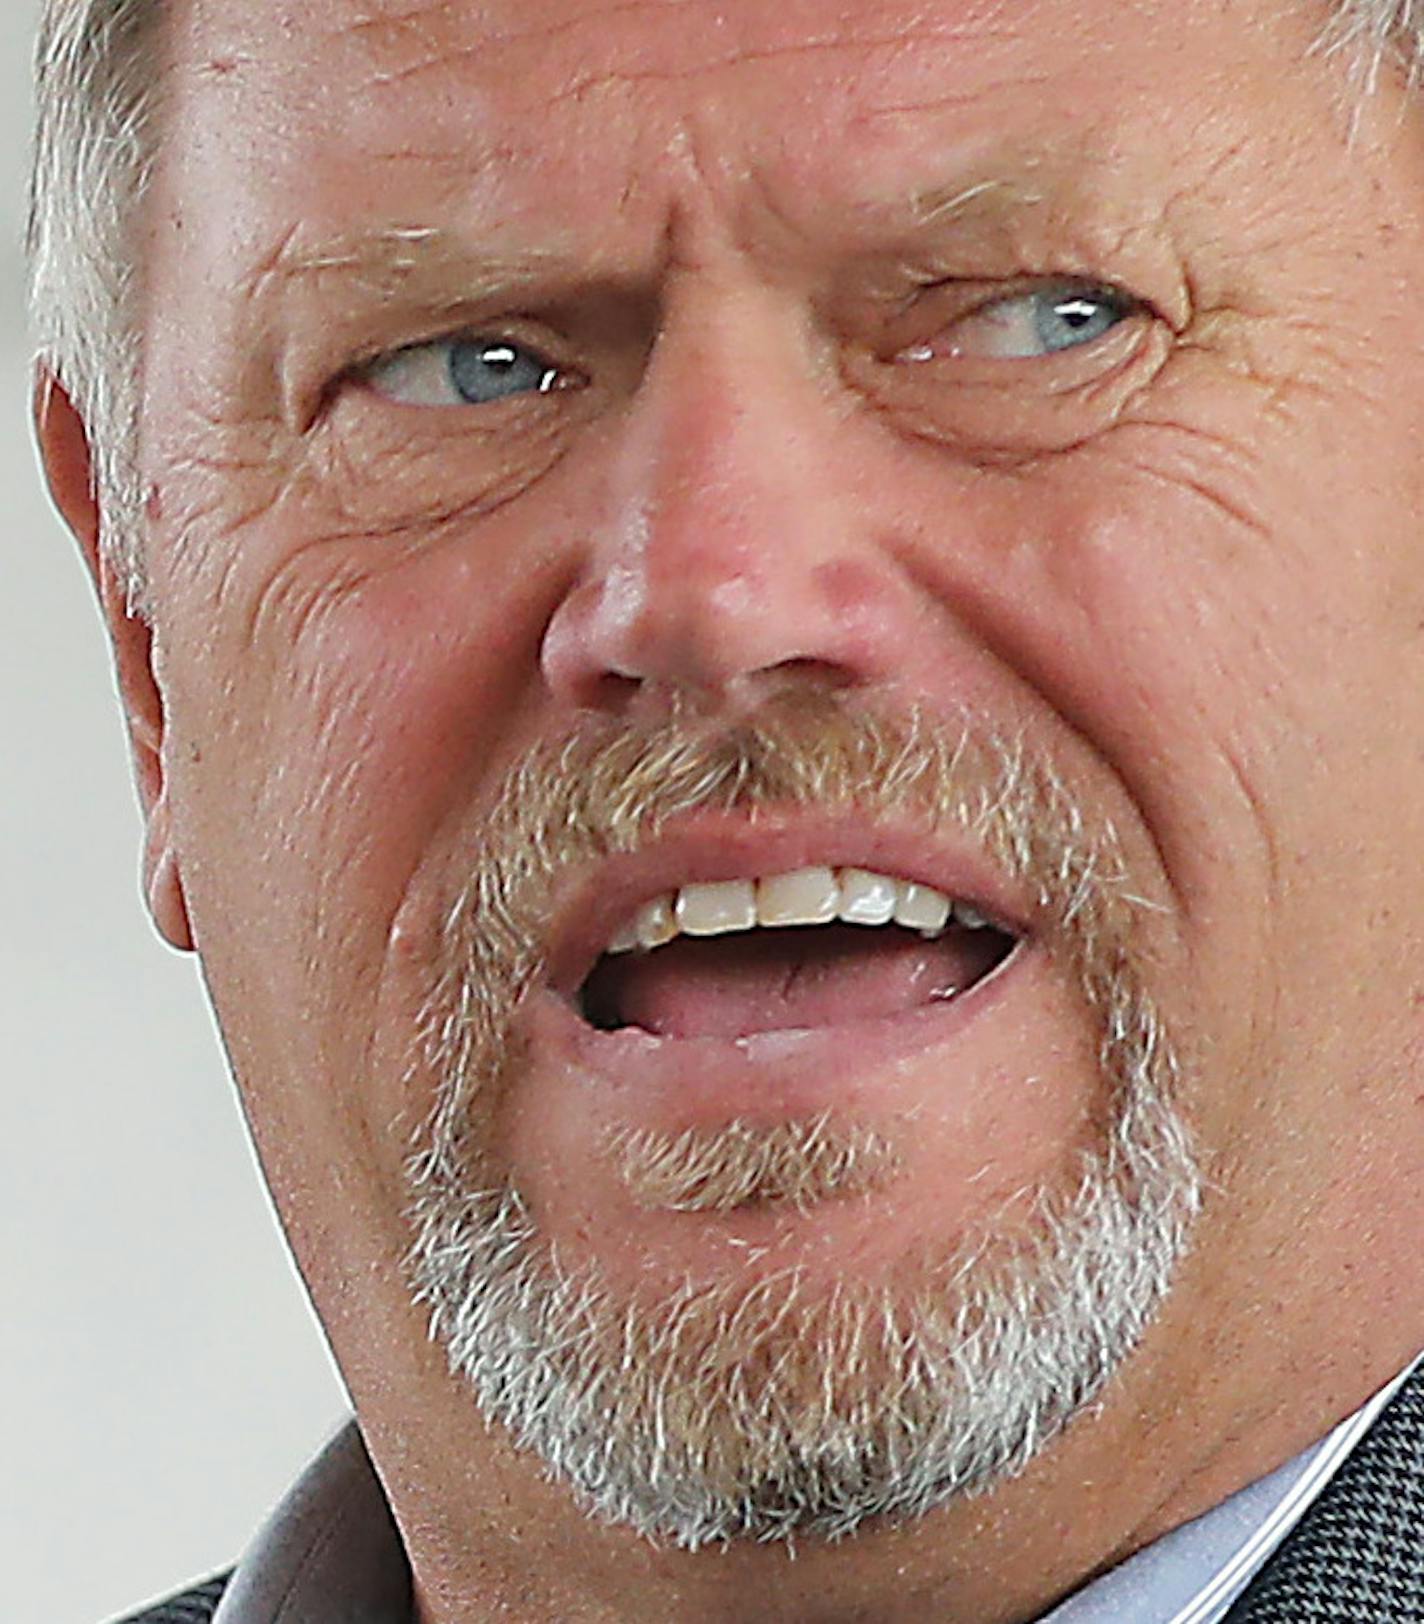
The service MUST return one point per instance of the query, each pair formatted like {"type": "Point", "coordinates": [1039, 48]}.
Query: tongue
{"type": "Point", "coordinates": [772, 980]}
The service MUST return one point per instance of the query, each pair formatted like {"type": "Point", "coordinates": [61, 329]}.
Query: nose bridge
{"type": "Point", "coordinates": [719, 528]}
{"type": "Point", "coordinates": [711, 491]}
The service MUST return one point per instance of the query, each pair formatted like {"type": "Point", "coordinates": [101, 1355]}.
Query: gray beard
{"type": "Point", "coordinates": [782, 1408]}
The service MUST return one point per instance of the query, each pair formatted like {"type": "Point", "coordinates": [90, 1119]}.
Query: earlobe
{"type": "Point", "coordinates": [163, 883]}
{"type": "Point", "coordinates": [64, 451]}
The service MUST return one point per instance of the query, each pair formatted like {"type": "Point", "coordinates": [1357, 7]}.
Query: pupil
{"type": "Point", "coordinates": [487, 372]}
{"type": "Point", "coordinates": [1074, 320]}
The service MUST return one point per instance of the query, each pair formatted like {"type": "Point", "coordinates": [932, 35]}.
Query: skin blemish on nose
{"type": "Point", "coordinates": [733, 597]}
{"type": "Point", "coordinates": [624, 595]}
{"type": "Point", "coordinates": [847, 585]}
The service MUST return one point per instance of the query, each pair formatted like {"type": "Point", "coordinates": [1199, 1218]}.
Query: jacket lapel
{"type": "Point", "coordinates": [1358, 1553]}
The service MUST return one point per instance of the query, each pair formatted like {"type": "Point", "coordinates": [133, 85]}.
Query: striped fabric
{"type": "Point", "coordinates": [1357, 1556]}
{"type": "Point", "coordinates": [194, 1606]}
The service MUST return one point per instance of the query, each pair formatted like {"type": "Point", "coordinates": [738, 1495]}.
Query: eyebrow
{"type": "Point", "coordinates": [940, 204]}
{"type": "Point", "coordinates": [405, 265]}
{"type": "Point", "coordinates": [388, 260]}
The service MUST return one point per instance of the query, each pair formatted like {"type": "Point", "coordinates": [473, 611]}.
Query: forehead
{"type": "Point", "coordinates": [586, 114]}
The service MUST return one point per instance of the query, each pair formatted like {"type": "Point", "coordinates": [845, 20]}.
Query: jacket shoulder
{"type": "Point", "coordinates": [195, 1606]}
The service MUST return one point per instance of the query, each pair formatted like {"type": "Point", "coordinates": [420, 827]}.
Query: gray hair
{"type": "Point", "coordinates": [97, 78]}
{"type": "Point", "coordinates": [98, 85]}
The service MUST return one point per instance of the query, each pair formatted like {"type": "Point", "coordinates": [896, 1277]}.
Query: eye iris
{"type": "Point", "coordinates": [1078, 318]}
{"type": "Point", "coordinates": [482, 371]}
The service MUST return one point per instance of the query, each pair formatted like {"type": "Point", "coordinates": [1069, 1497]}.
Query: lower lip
{"type": "Point", "coordinates": [676, 1083]}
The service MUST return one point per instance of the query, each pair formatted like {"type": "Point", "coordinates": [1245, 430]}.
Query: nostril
{"type": "Point", "coordinates": [806, 672]}
{"type": "Point", "coordinates": [610, 691]}
{"type": "Point", "coordinates": [616, 693]}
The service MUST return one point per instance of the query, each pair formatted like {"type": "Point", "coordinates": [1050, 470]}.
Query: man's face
{"type": "Point", "coordinates": [723, 407]}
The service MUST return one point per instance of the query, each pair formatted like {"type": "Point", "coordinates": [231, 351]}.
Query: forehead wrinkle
{"type": "Point", "coordinates": [441, 36]}
{"type": "Point", "coordinates": [829, 45]}
{"type": "Point", "coordinates": [952, 101]}
{"type": "Point", "coordinates": [372, 28]}
{"type": "Point", "coordinates": [455, 54]}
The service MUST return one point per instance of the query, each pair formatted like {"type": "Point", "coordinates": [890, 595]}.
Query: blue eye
{"type": "Point", "coordinates": [1061, 323]}
{"type": "Point", "coordinates": [462, 372]}
{"type": "Point", "coordinates": [1032, 325]}
{"type": "Point", "coordinates": [481, 371]}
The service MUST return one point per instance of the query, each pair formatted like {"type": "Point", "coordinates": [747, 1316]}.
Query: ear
{"type": "Point", "coordinates": [64, 452]}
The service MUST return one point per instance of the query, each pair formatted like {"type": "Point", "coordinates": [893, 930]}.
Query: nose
{"type": "Point", "coordinates": [729, 552]}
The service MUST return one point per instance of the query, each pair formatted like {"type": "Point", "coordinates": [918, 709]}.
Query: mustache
{"type": "Point", "coordinates": [609, 786]}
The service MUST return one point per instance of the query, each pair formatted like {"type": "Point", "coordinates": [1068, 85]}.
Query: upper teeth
{"type": "Point", "coordinates": [808, 896]}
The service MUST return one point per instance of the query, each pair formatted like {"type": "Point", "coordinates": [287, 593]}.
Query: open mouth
{"type": "Point", "coordinates": [812, 948]}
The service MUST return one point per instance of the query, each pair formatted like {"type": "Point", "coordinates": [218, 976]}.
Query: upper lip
{"type": "Point", "coordinates": [705, 848]}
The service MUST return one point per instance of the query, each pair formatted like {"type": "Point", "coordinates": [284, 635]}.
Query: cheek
{"type": "Point", "coordinates": [1208, 623]}
{"type": "Point", "coordinates": [1140, 620]}
{"type": "Point", "coordinates": [333, 766]}
{"type": "Point", "coordinates": [1120, 605]}
{"type": "Point", "coordinates": [1194, 604]}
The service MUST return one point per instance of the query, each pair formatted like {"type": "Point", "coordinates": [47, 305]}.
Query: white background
{"type": "Point", "coordinates": [161, 1378]}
